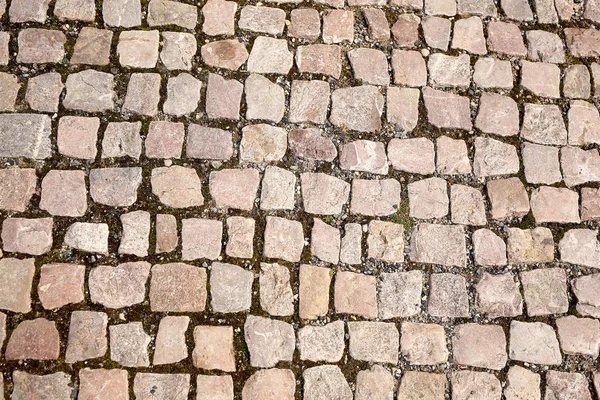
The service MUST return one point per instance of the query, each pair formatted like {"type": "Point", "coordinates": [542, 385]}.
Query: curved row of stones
{"type": "Point", "coordinates": [222, 200]}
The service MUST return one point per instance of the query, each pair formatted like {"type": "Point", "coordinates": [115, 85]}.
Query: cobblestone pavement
{"type": "Point", "coordinates": [222, 200]}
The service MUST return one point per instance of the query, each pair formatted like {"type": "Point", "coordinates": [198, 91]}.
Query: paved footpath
{"type": "Point", "coordinates": [325, 200]}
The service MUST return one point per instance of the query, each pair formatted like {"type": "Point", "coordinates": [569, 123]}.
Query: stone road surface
{"type": "Point", "coordinates": [325, 200]}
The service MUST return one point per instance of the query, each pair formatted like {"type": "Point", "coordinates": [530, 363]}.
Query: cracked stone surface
{"type": "Point", "coordinates": [285, 200]}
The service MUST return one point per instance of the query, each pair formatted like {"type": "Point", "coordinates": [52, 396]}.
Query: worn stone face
{"type": "Point", "coordinates": [90, 91]}
{"type": "Point", "coordinates": [276, 296]}
{"type": "Point", "coordinates": [377, 23]}
{"type": "Point", "coordinates": [147, 386]}
{"type": "Point", "coordinates": [25, 135]}
{"type": "Point", "coordinates": [219, 17]}
{"type": "Point", "coordinates": [284, 239]}
{"type": "Point", "coordinates": [15, 294]}
{"type": "Point", "coordinates": [17, 186]}
{"type": "Point", "coordinates": [447, 110]}
{"type": "Point", "coordinates": [545, 291]}
{"type": "Point", "coordinates": [326, 381]}
{"type": "Point", "coordinates": [178, 49]}
{"type": "Point", "coordinates": [183, 95]}
{"type": "Point", "coordinates": [322, 343]}
{"type": "Point", "coordinates": [497, 114]}
{"type": "Point", "coordinates": [468, 207]}
{"type": "Point", "coordinates": [214, 348]}
{"type": "Point", "coordinates": [43, 92]}
{"type": "Point", "coordinates": [534, 342]}
{"type": "Point", "coordinates": [178, 287]}
{"type": "Point", "coordinates": [214, 387]}
{"type": "Point", "coordinates": [116, 187]}
{"type": "Point", "coordinates": [522, 382]}
{"type": "Point", "coordinates": [78, 136]}
{"type": "Point", "coordinates": [386, 241]}
{"type": "Point", "coordinates": [416, 385]}
{"type": "Point", "coordinates": [201, 238]}
{"type": "Point", "coordinates": [494, 157]}
{"type": "Point", "coordinates": [122, 139]}
{"type": "Point", "coordinates": [448, 296]}
{"type": "Point", "coordinates": [230, 288]}
{"type": "Point", "coordinates": [505, 38]}
{"type": "Point", "coordinates": [357, 108]}
{"type": "Point", "coordinates": [320, 59]}
{"type": "Point", "coordinates": [544, 124]}
{"type": "Point", "coordinates": [426, 245]}
{"type": "Point", "coordinates": [270, 384]}
{"type": "Point", "coordinates": [120, 286]}
{"type": "Point", "coordinates": [472, 384]}
{"type": "Point", "coordinates": [95, 384]}
{"type": "Point", "coordinates": [508, 198]}
{"type": "Point", "coordinates": [40, 46]}
{"type": "Point", "coordinates": [541, 163]}
{"type": "Point", "coordinates": [88, 237]}
{"type": "Point", "coordinates": [165, 12]}
{"type": "Point", "coordinates": [27, 386]}
{"type": "Point", "coordinates": [482, 346]}
{"type": "Point", "coordinates": [35, 339]}
{"type": "Point", "coordinates": [170, 340]}
{"type": "Point", "coordinates": [428, 198]}
{"type": "Point", "coordinates": [313, 291]}
{"type": "Point", "coordinates": [423, 344]}
{"type": "Point", "coordinates": [262, 20]}
{"type": "Point", "coordinates": [269, 341]}
{"type": "Point", "coordinates": [351, 244]}
{"type": "Point", "coordinates": [61, 284]}
{"type": "Point", "coordinates": [356, 294]}
{"type": "Point", "coordinates": [129, 344]}
{"type": "Point", "coordinates": [406, 30]}
{"type": "Point", "coordinates": [323, 194]}
{"type": "Point", "coordinates": [122, 13]}
{"type": "Point", "coordinates": [374, 341]}
{"type": "Point", "coordinates": [530, 246]}
{"type": "Point", "coordinates": [264, 99]}
{"type": "Point", "coordinates": [240, 233]}
{"type": "Point", "coordinates": [262, 143]}
{"type": "Point", "coordinates": [87, 336]}
{"type": "Point", "coordinates": [305, 23]}
{"type": "Point", "coordinates": [92, 47]}
{"type": "Point", "coordinates": [27, 235]}
{"type": "Point", "coordinates": [498, 295]}
{"type": "Point", "coordinates": [550, 204]}
{"type": "Point", "coordinates": [177, 187]}
{"type": "Point", "coordinates": [64, 193]}
{"type": "Point", "coordinates": [208, 143]}
{"type": "Point", "coordinates": [585, 288]}
{"type": "Point", "coordinates": [228, 53]}
{"type": "Point", "coordinates": [309, 101]}
{"type": "Point", "coordinates": [580, 336]}
{"type": "Point", "coordinates": [375, 197]}
{"type": "Point", "coordinates": [567, 385]}
{"type": "Point", "coordinates": [325, 241]}
{"type": "Point", "coordinates": [270, 56]}
{"type": "Point", "coordinates": [234, 188]}
{"type": "Point", "coordinates": [399, 294]}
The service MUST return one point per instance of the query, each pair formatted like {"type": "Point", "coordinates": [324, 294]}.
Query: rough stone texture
{"type": "Point", "coordinates": [482, 346]}
{"type": "Point", "coordinates": [475, 385]}
{"type": "Point", "coordinates": [320, 59]}
{"type": "Point", "coordinates": [28, 386]}
{"type": "Point", "coordinates": [578, 165]}
{"type": "Point", "coordinates": [325, 381]}
{"type": "Point", "coordinates": [438, 244]}
{"type": "Point", "coordinates": [447, 110]}
{"type": "Point", "coordinates": [544, 124]}
{"type": "Point", "coordinates": [284, 239]}
{"type": "Point", "coordinates": [208, 143]}
{"type": "Point", "coordinates": [147, 386]}
{"type": "Point", "coordinates": [325, 241]}
{"type": "Point", "coordinates": [201, 238]}
{"type": "Point", "coordinates": [565, 385]}
{"type": "Point", "coordinates": [122, 139]}
{"type": "Point", "coordinates": [498, 295]}
{"type": "Point", "coordinates": [313, 291]}
{"type": "Point", "coordinates": [415, 155]}
{"type": "Point", "coordinates": [322, 343]}
{"type": "Point", "coordinates": [399, 294]}
{"type": "Point", "coordinates": [541, 164]}
{"type": "Point", "coordinates": [386, 241]}
{"type": "Point", "coordinates": [15, 295]}
{"type": "Point", "coordinates": [449, 71]}
{"type": "Point", "coordinates": [271, 384]}
{"type": "Point", "coordinates": [323, 194]}
{"type": "Point", "coordinates": [165, 12]}
{"type": "Point", "coordinates": [234, 188]}
{"type": "Point", "coordinates": [262, 143]}
{"type": "Point", "coordinates": [122, 13]}
{"type": "Point", "coordinates": [96, 384]}
{"type": "Point", "coordinates": [214, 387]}
{"type": "Point", "coordinates": [541, 79]}
{"type": "Point", "coordinates": [264, 99]}
{"type": "Point", "coordinates": [27, 235]}
{"type": "Point", "coordinates": [214, 348]}
{"type": "Point", "coordinates": [428, 198]}
{"type": "Point", "coordinates": [230, 288]}
{"type": "Point", "coordinates": [522, 383]}
{"type": "Point", "coordinates": [468, 207]}
{"type": "Point", "coordinates": [579, 336]}
{"type": "Point", "coordinates": [545, 291]}
{"type": "Point", "coordinates": [508, 198]}
{"type": "Point", "coordinates": [422, 385]}
{"type": "Point", "coordinates": [498, 115]}
{"type": "Point", "coordinates": [40, 46]}
{"type": "Point", "coordinates": [585, 288]}
{"type": "Point", "coordinates": [494, 157]}
{"type": "Point", "coordinates": [218, 17]}
{"type": "Point", "coordinates": [375, 197]}
{"type": "Point", "coordinates": [406, 30]}
{"type": "Point", "coordinates": [355, 294]}
{"type": "Point", "coordinates": [270, 56]}
{"type": "Point", "coordinates": [278, 189]}
{"type": "Point", "coordinates": [61, 284]}
{"type": "Point", "coordinates": [17, 186]}
{"type": "Point", "coordinates": [78, 136]}
{"type": "Point", "coordinates": [423, 344]}
{"type": "Point", "coordinates": [452, 156]}
{"type": "Point", "coordinates": [183, 95]}
{"type": "Point", "coordinates": [358, 108]}
{"type": "Point", "coordinates": [374, 341]}
{"type": "Point", "coordinates": [170, 340]}
{"type": "Point", "coordinates": [276, 296]}
{"type": "Point", "coordinates": [25, 135]}
{"type": "Point", "coordinates": [448, 296]}
{"type": "Point", "coordinates": [528, 246]}
{"type": "Point", "coordinates": [533, 342]}
{"type": "Point", "coordinates": [36, 339]}
{"type": "Point", "coordinates": [505, 38]}
{"type": "Point", "coordinates": [403, 107]}
{"type": "Point", "coordinates": [269, 341]}
{"type": "Point", "coordinates": [177, 187]}
{"type": "Point", "coordinates": [437, 32]}
{"type": "Point", "coordinates": [550, 204]}
{"type": "Point", "coordinates": [409, 68]}
{"type": "Point", "coordinates": [120, 286]}
{"type": "Point", "coordinates": [116, 187]}
{"type": "Point", "coordinates": [90, 91]}
{"type": "Point", "coordinates": [177, 287]}
{"type": "Point", "coordinates": [240, 243]}
{"type": "Point", "coordinates": [88, 237]}
{"type": "Point", "coordinates": [43, 92]}
{"type": "Point", "coordinates": [129, 344]}
{"type": "Point", "coordinates": [87, 336]}
{"type": "Point", "coordinates": [92, 47]}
